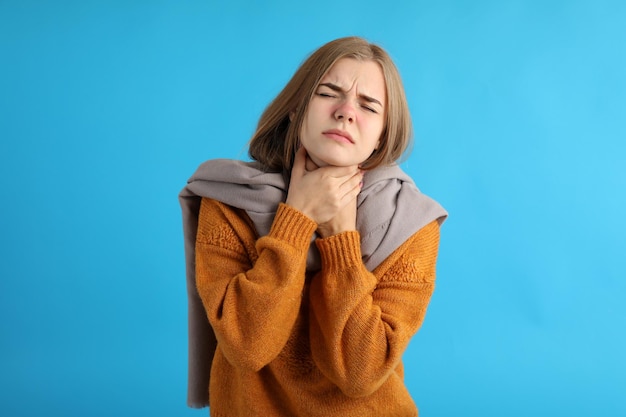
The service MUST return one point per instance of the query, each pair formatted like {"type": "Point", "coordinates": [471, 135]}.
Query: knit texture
{"type": "Point", "coordinates": [292, 342]}
{"type": "Point", "coordinates": [390, 209]}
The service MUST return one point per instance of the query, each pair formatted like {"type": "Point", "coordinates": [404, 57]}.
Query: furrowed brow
{"type": "Point", "coordinates": [370, 99]}
{"type": "Point", "coordinates": [338, 89]}
{"type": "Point", "coordinates": [333, 87]}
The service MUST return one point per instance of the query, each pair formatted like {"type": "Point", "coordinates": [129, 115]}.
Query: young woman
{"type": "Point", "coordinates": [310, 269]}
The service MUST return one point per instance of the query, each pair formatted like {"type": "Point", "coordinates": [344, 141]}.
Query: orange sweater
{"type": "Point", "coordinates": [292, 343]}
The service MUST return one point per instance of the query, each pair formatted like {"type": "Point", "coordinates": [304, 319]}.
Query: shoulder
{"type": "Point", "coordinates": [416, 258]}
{"type": "Point", "coordinates": [219, 223]}
{"type": "Point", "coordinates": [212, 210]}
{"type": "Point", "coordinates": [426, 238]}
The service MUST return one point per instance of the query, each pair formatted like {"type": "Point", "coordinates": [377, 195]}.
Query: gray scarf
{"type": "Point", "coordinates": [390, 209]}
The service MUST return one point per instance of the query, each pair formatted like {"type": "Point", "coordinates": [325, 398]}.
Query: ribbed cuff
{"type": "Point", "coordinates": [340, 251]}
{"type": "Point", "coordinates": [292, 226]}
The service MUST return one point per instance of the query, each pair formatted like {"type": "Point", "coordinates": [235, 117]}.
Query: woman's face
{"type": "Point", "coordinates": [346, 115]}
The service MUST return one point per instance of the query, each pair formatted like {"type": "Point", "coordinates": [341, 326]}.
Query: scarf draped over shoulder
{"type": "Point", "coordinates": [390, 209]}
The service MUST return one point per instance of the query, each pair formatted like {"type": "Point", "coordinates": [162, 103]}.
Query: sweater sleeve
{"type": "Point", "coordinates": [361, 322]}
{"type": "Point", "coordinates": [251, 302]}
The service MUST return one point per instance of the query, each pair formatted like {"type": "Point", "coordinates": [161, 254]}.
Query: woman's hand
{"type": "Point", "coordinates": [327, 194]}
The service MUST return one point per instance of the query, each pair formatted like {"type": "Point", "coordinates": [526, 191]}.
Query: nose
{"type": "Point", "coordinates": [345, 112]}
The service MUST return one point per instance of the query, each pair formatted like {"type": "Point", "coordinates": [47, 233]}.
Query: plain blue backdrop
{"type": "Point", "coordinates": [106, 108]}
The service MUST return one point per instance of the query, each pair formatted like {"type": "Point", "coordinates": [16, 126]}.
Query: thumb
{"type": "Point", "coordinates": [299, 162]}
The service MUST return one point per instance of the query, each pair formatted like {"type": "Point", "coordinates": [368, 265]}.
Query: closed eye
{"type": "Point", "coordinates": [367, 101]}
{"type": "Point", "coordinates": [370, 109]}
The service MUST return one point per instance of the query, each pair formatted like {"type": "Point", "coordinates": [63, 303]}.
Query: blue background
{"type": "Point", "coordinates": [106, 108]}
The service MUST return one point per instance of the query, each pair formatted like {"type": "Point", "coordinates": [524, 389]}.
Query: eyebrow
{"type": "Point", "coordinates": [338, 89]}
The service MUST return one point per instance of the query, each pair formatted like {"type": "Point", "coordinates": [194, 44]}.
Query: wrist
{"type": "Point", "coordinates": [341, 251]}
{"type": "Point", "coordinates": [328, 230]}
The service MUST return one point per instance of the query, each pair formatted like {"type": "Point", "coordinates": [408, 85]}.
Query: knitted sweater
{"type": "Point", "coordinates": [292, 343]}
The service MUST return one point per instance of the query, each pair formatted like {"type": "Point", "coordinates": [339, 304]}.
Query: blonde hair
{"type": "Point", "coordinates": [277, 135]}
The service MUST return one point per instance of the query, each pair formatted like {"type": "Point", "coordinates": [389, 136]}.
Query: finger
{"type": "Point", "coordinates": [299, 162]}
{"type": "Point", "coordinates": [353, 192]}
{"type": "Point", "coordinates": [352, 186]}
{"type": "Point", "coordinates": [354, 180]}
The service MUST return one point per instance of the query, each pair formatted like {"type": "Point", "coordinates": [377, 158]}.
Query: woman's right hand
{"type": "Point", "coordinates": [325, 194]}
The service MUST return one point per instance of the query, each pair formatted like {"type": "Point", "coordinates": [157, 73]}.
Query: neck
{"type": "Point", "coordinates": [310, 165]}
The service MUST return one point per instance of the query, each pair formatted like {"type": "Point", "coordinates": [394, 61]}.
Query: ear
{"type": "Point", "coordinates": [292, 114]}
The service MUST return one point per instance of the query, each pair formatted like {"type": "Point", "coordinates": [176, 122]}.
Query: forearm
{"type": "Point", "coordinates": [360, 325]}
{"type": "Point", "coordinates": [252, 304]}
